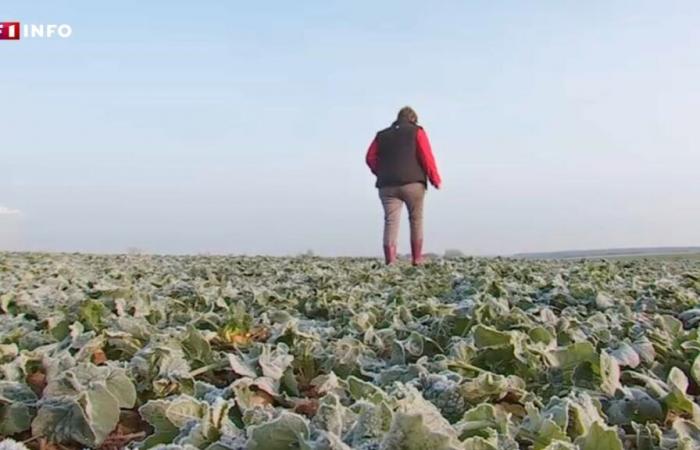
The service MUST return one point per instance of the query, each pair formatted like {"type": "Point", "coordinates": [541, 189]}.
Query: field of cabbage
{"type": "Point", "coordinates": [234, 353]}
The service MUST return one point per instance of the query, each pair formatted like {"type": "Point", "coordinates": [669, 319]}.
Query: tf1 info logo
{"type": "Point", "coordinates": [13, 31]}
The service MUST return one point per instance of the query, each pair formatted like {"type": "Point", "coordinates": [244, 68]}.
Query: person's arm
{"type": "Point", "coordinates": [372, 158]}
{"type": "Point", "coordinates": [426, 158]}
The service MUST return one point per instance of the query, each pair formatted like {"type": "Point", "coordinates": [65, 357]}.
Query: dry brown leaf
{"type": "Point", "coordinates": [99, 357]}
{"type": "Point", "coordinates": [259, 334]}
{"type": "Point", "coordinates": [262, 398]}
{"type": "Point", "coordinates": [311, 392]}
{"type": "Point", "coordinates": [516, 409]}
{"type": "Point", "coordinates": [45, 444]}
{"type": "Point", "coordinates": [307, 407]}
{"type": "Point", "coordinates": [37, 381]}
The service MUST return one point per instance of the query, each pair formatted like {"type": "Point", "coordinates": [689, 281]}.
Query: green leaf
{"type": "Point", "coordinates": [329, 441]}
{"type": "Point", "coordinates": [541, 335]}
{"type": "Point", "coordinates": [486, 337]}
{"type": "Point", "coordinates": [363, 390]}
{"type": "Point", "coordinates": [121, 387]}
{"type": "Point", "coordinates": [413, 432]}
{"type": "Point", "coordinates": [414, 344]}
{"type": "Point", "coordinates": [101, 410]}
{"type": "Point", "coordinates": [626, 355]}
{"type": "Point", "coordinates": [167, 417]}
{"type": "Point", "coordinates": [285, 432]}
{"type": "Point", "coordinates": [677, 399]}
{"type": "Point", "coordinates": [604, 301]}
{"type": "Point", "coordinates": [561, 445]}
{"type": "Point", "coordinates": [86, 419]}
{"type": "Point", "coordinates": [695, 369]}
{"type": "Point", "coordinates": [569, 357]}
{"type": "Point", "coordinates": [16, 407]}
{"type": "Point", "coordinates": [677, 379]}
{"type": "Point", "coordinates": [645, 350]}
{"type": "Point", "coordinates": [635, 406]}
{"type": "Point", "coordinates": [541, 429]}
{"type": "Point", "coordinates": [372, 421]}
{"type": "Point", "coordinates": [479, 420]}
{"type": "Point", "coordinates": [183, 409]}
{"type": "Point", "coordinates": [491, 386]}
{"type": "Point", "coordinates": [164, 431]}
{"type": "Point", "coordinates": [196, 348]}
{"type": "Point", "coordinates": [329, 416]}
{"type": "Point", "coordinates": [609, 374]}
{"type": "Point", "coordinates": [480, 443]}
{"type": "Point", "coordinates": [688, 434]}
{"type": "Point", "coordinates": [240, 367]}
{"type": "Point", "coordinates": [584, 412]}
{"type": "Point", "coordinates": [92, 314]}
{"type": "Point", "coordinates": [418, 425]}
{"type": "Point", "coordinates": [600, 437]}
{"type": "Point", "coordinates": [213, 426]}
{"type": "Point", "coordinates": [15, 418]}
{"type": "Point", "coordinates": [274, 362]}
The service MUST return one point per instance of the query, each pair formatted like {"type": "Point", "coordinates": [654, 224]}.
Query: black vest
{"type": "Point", "coordinates": [396, 156]}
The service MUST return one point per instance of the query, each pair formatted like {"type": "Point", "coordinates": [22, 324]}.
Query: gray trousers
{"type": "Point", "coordinates": [393, 198]}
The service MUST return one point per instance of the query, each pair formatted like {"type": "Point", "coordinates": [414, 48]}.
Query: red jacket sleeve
{"type": "Point", "coordinates": [372, 156]}
{"type": "Point", "coordinates": [426, 158]}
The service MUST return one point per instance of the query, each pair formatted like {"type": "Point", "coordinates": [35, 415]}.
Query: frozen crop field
{"type": "Point", "coordinates": [262, 353]}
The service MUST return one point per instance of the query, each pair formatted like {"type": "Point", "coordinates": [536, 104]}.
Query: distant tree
{"type": "Point", "coordinates": [134, 251]}
{"type": "Point", "coordinates": [453, 253]}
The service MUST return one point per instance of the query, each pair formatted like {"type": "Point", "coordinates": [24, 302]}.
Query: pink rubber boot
{"type": "Point", "coordinates": [389, 254]}
{"type": "Point", "coordinates": [417, 252]}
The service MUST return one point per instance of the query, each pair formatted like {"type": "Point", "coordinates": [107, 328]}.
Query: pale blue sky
{"type": "Point", "coordinates": [241, 127]}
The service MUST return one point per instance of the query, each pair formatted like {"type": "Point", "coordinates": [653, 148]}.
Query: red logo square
{"type": "Point", "coordinates": [9, 31]}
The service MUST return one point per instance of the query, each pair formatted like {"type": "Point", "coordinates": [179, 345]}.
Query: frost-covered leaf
{"type": "Point", "coordinates": [489, 337]}
{"type": "Point", "coordinates": [584, 412]}
{"type": "Point", "coordinates": [10, 444]}
{"type": "Point", "coordinates": [626, 356]}
{"type": "Point", "coordinates": [284, 432]}
{"type": "Point", "coordinates": [677, 399]}
{"type": "Point", "coordinates": [687, 433]}
{"type": "Point", "coordinates": [569, 357]}
{"type": "Point", "coordinates": [240, 367]}
{"type": "Point", "coordinates": [695, 369]}
{"type": "Point", "coordinates": [85, 377]}
{"type": "Point", "coordinates": [467, 353]}
{"type": "Point", "coordinates": [600, 437]}
{"type": "Point", "coordinates": [330, 415]}
{"type": "Point", "coordinates": [274, 362]}
{"type": "Point", "coordinates": [167, 417]}
{"type": "Point", "coordinates": [16, 407]}
{"type": "Point", "coordinates": [635, 406]}
{"type": "Point", "coordinates": [363, 390]}
{"type": "Point", "coordinates": [196, 348]}
{"type": "Point", "coordinates": [480, 443]}
{"type": "Point", "coordinates": [86, 418]}
{"type": "Point", "coordinates": [609, 374]}
{"type": "Point", "coordinates": [542, 429]}
{"type": "Point", "coordinates": [413, 432]}
{"type": "Point", "coordinates": [372, 421]}
{"type": "Point", "coordinates": [418, 425]}
{"type": "Point", "coordinates": [560, 445]}
{"type": "Point", "coordinates": [329, 441]}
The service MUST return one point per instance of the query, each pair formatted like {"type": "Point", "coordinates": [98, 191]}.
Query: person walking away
{"type": "Point", "coordinates": [402, 160]}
